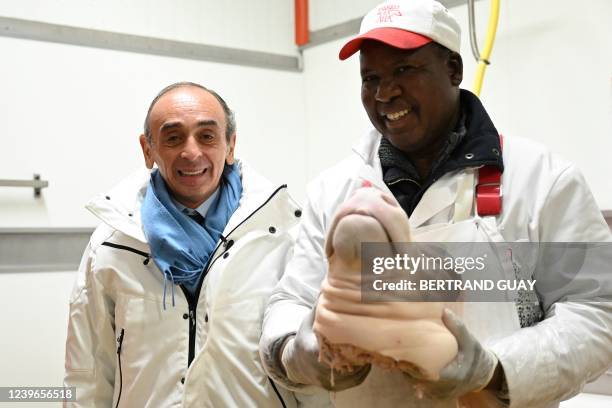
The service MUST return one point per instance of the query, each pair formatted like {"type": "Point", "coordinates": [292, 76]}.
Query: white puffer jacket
{"type": "Point", "coordinates": [123, 349]}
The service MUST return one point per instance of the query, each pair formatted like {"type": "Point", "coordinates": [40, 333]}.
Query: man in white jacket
{"type": "Point", "coordinates": [435, 149]}
{"type": "Point", "coordinates": [167, 306]}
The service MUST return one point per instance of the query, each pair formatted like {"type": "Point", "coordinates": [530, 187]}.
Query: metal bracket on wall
{"type": "Point", "coordinates": [36, 183]}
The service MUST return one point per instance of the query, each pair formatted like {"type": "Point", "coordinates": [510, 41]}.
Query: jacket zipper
{"type": "Point", "coordinates": [119, 344]}
{"type": "Point", "coordinates": [192, 334]}
{"type": "Point", "coordinates": [192, 301]}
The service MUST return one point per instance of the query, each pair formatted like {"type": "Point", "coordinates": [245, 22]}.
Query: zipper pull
{"type": "Point", "coordinates": [120, 341]}
{"type": "Point", "coordinates": [192, 318]}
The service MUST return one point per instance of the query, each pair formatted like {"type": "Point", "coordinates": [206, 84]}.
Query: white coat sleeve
{"type": "Point", "coordinates": [90, 345]}
{"type": "Point", "coordinates": [552, 360]}
{"type": "Point", "coordinates": [296, 293]}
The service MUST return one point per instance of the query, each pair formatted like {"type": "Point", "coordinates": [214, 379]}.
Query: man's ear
{"type": "Point", "coordinates": [455, 68]}
{"type": "Point", "coordinates": [229, 157]}
{"type": "Point", "coordinates": [146, 152]}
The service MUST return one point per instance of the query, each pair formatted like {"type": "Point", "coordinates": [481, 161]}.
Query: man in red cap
{"type": "Point", "coordinates": [435, 149]}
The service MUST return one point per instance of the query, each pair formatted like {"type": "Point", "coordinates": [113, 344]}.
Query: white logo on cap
{"type": "Point", "coordinates": [387, 12]}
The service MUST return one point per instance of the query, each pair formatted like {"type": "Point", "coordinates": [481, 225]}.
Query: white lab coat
{"type": "Point", "coordinates": [115, 290]}
{"type": "Point", "coordinates": [545, 199]}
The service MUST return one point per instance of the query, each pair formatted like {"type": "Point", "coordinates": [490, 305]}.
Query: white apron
{"type": "Point", "coordinates": [444, 214]}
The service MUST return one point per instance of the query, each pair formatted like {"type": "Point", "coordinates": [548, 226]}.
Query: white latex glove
{"type": "Point", "coordinates": [300, 359]}
{"type": "Point", "coordinates": [470, 371]}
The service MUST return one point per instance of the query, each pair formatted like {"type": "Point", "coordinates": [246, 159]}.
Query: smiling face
{"type": "Point", "coordinates": [411, 96]}
{"type": "Point", "coordinates": [188, 143]}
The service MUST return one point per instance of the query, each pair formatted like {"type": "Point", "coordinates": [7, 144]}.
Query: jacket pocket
{"type": "Point", "coordinates": [154, 341]}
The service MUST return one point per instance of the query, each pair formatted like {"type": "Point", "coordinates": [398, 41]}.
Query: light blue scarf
{"type": "Point", "coordinates": [180, 247]}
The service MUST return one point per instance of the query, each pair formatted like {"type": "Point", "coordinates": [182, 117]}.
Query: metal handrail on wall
{"type": "Point", "coordinates": [36, 183]}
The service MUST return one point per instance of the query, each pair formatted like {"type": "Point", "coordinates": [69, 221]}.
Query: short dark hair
{"type": "Point", "coordinates": [230, 120]}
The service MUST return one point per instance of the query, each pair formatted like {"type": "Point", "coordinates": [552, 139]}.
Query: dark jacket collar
{"type": "Point", "coordinates": [481, 145]}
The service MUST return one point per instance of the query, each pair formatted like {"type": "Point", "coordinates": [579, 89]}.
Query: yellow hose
{"type": "Point", "coordinates": [488, 48]}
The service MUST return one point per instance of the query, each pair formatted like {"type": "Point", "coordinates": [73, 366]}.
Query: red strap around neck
{"type": "Point", "coordinates": [488, 189]}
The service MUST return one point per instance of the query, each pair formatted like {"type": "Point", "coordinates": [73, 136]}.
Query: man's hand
{"type": "Point", "coordinates": [472, 369]}
{"type": "Point", "coordinates": [300, 359]}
